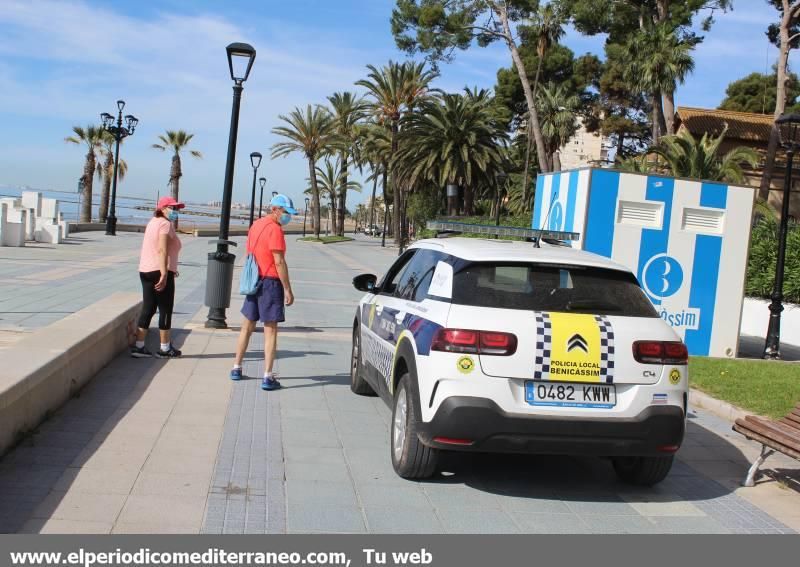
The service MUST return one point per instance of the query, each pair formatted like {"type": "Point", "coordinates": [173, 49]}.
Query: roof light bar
{"type": "Point", "coordinates": [448, 227]}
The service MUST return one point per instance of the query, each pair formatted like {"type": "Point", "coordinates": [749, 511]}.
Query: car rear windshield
{"type": "Point", "coordinates": [549, 287]}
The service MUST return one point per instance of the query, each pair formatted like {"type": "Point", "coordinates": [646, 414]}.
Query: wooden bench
{"type": "Point", "coordinates": [782, 435]}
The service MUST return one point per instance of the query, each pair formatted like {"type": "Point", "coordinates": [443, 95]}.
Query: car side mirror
{"type": "Point", "coordinates": [365, 282]}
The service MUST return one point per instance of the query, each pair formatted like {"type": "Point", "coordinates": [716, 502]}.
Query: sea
{"type": "Point", "coordinates": [131, 210]}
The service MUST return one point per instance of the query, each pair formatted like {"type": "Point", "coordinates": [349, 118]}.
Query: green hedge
{"type": "Point", "coordinates": [763, 255]}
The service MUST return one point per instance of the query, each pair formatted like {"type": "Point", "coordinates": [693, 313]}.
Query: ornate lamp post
{"type": "Point", "coordinates": [255, 161]}
{"type": "Point", "coordinates": [219, 277]}
{"type": "Point", "coordinates": [116, 129]}
{"type": "Point", "coordinates": [261, 181]}
{"type": "Point", "coordinates": [305, 215]}
{"type": "Point", "coordinates": [789, 130]}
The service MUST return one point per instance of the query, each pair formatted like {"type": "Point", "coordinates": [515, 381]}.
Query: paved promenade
{"type": "Point", "coordinates": [175, 446]}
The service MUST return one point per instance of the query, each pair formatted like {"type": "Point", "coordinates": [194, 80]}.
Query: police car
{"type": "Point", "coordinates": [501, 346]}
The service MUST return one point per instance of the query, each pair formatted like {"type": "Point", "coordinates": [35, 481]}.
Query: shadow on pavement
{"type": "Point", "coordinates": [259, 355]}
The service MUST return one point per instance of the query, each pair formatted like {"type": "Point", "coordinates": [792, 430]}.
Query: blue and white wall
{"type": "Point", "coordinates": [686, 241]}
{"type": "Point", "coordinates": [561, 200]}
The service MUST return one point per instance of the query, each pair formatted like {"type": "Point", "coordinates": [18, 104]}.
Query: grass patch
{"type": "Point", "coordinates": [769, 388]}
{"type": "Point", "coordinates": [326, 239]}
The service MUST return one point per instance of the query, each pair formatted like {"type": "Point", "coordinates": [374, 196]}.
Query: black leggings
{"type": "Point", "coordinates": [162, 300]}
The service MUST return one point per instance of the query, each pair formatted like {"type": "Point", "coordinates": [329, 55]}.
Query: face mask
{"type": "Point", "coordinates": [173, 216]}
{"type": "Point", "coordinates": [285, 218]}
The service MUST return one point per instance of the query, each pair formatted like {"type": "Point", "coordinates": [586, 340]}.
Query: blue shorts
{"type": "Point", "coordinates": [267, 304]}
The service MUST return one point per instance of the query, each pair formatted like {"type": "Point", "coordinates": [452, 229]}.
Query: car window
{"type": "Point", "coordinates": [546, 287]}
{"type": "Point", "coordinates": [389, 283]}
{"type": "Point", "coordinates": [416, 278]}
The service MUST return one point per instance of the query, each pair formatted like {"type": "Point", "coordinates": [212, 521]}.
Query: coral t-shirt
{"type": "Point", "coordinates": [148, 261]}
{"type": "Point", "coordinates": [264, 238]}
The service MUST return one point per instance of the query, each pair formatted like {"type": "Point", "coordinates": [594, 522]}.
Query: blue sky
{"type": "Point", "coordinates": [64, 62]}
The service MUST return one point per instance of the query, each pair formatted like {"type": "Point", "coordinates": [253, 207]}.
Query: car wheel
{"type": "Point", "coordinates": [410, 458]}
{"type": "Point", "coordinates": [357, 383]}
{"type": "Point", "coordinates": [642, 471]}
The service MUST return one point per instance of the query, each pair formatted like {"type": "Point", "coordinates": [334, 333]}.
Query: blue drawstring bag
{"type": "Point", "coordinates": [250, 282]}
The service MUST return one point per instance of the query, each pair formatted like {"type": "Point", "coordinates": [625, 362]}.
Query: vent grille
{"type": "Point", "coordinates": [640, 213]}
{"type": "Point", "coordinates": [703, 220]}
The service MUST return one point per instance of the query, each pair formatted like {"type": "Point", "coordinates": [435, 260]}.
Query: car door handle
{"type": "Point", "coordinates": [399, 317]}
{"type": "Point", "coordinates": [378, 309]}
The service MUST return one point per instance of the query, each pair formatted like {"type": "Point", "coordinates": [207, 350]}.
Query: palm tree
{"type": "Point", "coordinates": [547, 29]}
{"type": "Point", "coordinates": [105, 172]}
{"type": "Point", "coordinates": [348, 111]}
{"type": "Point", "coordinates": [376, 150]}
{"type": "Point", "coordinates": [311, 133]}
{"type": "Point", "coordinates": [659, 59]}
{"type": "Point", "coordinates": [558, 109]}
{"type": "Point", "coordinates": [329, 181]}
{"type": "Point", "coordinates": [177, 140]}
{"type": "Point", "coordinates": [685, 156]}
{"type": "Point", "coordinates": [451, 140]}
{"type": "Point", "coordinates": [396, 88]}
{"type": "Point", "coordinates": [92, 138]}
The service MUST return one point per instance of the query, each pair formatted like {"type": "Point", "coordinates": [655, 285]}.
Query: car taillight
{"type": "Point", "coordinates": [660, 352]}
{"type": "Point", "coordinates": [474, 342]}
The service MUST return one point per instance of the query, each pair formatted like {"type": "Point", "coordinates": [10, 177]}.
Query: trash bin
{"type": "Point", "coordinates": [219, 279]}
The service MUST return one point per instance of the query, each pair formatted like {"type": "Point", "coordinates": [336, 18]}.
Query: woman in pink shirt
{"type": "Point", "coordinates": [158, 268]}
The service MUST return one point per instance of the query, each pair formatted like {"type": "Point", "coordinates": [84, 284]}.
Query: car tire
{"type": "Point", "coordinates": [357, 383]}
{"type": "Point", "coordinates": [642, 471]}
{"type": "Point", "coordinates": [410, 457]}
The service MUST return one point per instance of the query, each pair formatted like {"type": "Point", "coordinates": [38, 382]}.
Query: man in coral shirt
{"type": "Point", "coordinates": [267, 243]}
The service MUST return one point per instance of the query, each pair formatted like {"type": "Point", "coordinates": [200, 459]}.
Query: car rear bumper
{"type": "Point", "coordinates": [490, 429]}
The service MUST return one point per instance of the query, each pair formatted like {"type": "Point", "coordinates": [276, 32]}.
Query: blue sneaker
{"type": "Point", "coordinates": [270, 383]}
{"type": "Point", "coordinates": [236, 374]}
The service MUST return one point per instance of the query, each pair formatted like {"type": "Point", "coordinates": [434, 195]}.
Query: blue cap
{"type": "Point", "coordinates": [283, 202]}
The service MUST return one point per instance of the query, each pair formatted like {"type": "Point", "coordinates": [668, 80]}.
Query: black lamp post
{"type": "Point", "coordinates": [500, 177]}
{"type": "Point", "coordinates": [305, 215]}
{"type": "Point", "coordinates": [255, 161]}
{"type": "Point", "coordinates": [789, 130]}
{"type": "Point", "coordinates": [261, 181]}
{"type": "Point", "coordinates": [119, 132]}
{"type": "Point", "coordinates": [219, 277]}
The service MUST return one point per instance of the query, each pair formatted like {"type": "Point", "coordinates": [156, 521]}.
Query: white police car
{"type": "Point", "coordinates": [500, 346]}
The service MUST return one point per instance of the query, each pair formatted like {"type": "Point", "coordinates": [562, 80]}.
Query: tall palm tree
{"type": "Point", "coordinates": [177, 140]}
{"type": "Point", "coordinates": [348, 111]}
{"type": "Point", "coordinates": [376, 150]}
{"type": "Point", "coordinates": [329, 181]}
{"type": "Point", "coordinates": [396, 88]}
{"type": "Point", "coordinates": [558, 109]}
{"type": "Point", "coordinates": [92, 138]}
{"type": "Point", "coordinates": [659, 60]}
{"type": "Point", "coordinates": [451, 140]}
{"type": "Point", "coordinates": [547, 28]}
{"type": "Point", "coordinates": [311, 133]}
{"type": "Point", "coordinates": [105, 172]}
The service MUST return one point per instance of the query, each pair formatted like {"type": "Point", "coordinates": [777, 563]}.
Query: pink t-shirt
{"type": "Point", "coordinates": [148, 262]}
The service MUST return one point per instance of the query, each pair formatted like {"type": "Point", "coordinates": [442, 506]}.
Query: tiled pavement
{"type": "Point", "coordinates": [176, 447]}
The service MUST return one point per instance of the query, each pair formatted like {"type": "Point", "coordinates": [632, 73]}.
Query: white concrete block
{"type": "Point", "coordinates": [30, 224]}
{"type": "Point", "coordinates": [49, 233]}
{"type": "Point", "coordinates": [49, 209]}
{"type": "Point", "coordinates": [3, 208]}
{"type": "Point", "coordinates": [32, 200]}
{"type": "Point", "coordinates": [14, 229]}
{"type": "Point", "coordinates": [64, 225]}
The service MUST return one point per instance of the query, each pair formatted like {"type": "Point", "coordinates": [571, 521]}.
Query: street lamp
{"type": "Point", "coordinates": [500, 177]}
{"type": "Point", "coordinates": [305, 215]}
{"type": "Point", "coordinates": [789, 131]}
{"type": "Point", "coordinates": [255, 161]}
{"type": "Point", "coordinates": [261, 181]}
{"type": "Point", "coordinates": [81, 188]}
{"type": "Point", "coordinates": [219, 276]}
{"type": "Point", "coordinates": [119, 132]}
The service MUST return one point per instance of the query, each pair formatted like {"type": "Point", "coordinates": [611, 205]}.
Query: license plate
{"type": "Point", "coordinates": [569, 395]}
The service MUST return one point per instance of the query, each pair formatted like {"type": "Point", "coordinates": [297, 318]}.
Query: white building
{"type": "Point", "coordinates": [584, 149]}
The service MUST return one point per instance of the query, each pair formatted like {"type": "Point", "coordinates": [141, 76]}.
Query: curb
{"type": "Point", "coordinates": [724, 410]}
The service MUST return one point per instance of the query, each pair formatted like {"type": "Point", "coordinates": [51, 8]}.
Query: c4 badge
{"type": "Point", "coordinates": [465, 364]}
{"type": "Point", "coordinates": [674, 376]}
